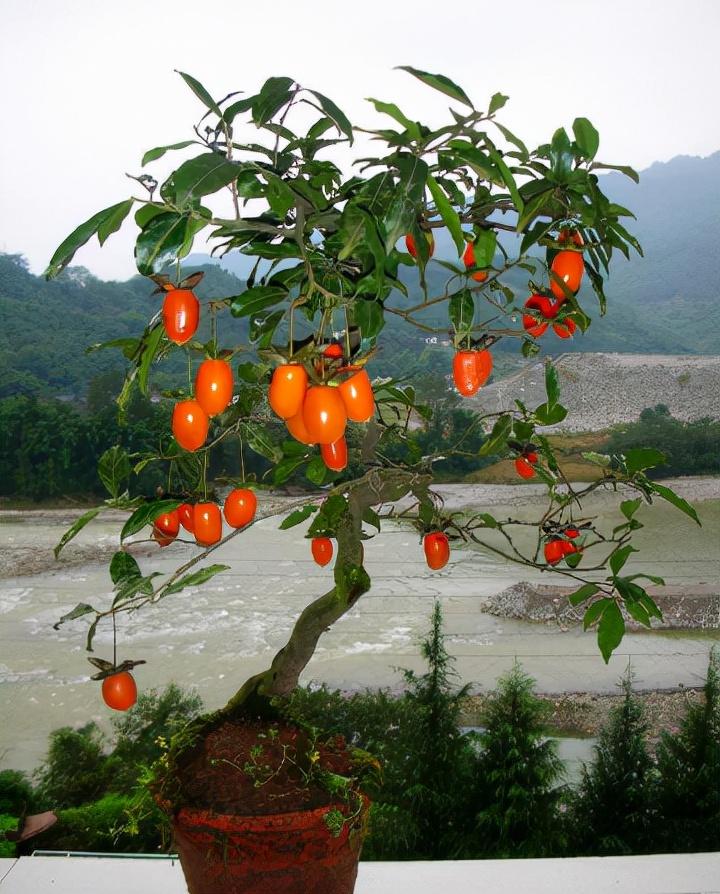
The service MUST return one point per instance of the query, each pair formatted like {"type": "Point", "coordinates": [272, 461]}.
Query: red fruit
{"type": "Point", "coordinates": [287, 390]}
{"type": "Point", "coordinates": [119, 691]}
{"type": "Point", "coordinates": [465, 374]}
{"type": "Point", "coordinates": [189, 424]}
{"type": "Point", "coordinates": [185, 513]}
{"type": "Point", "coordinates": [574, 235]}
{"type": "Point", "coordinates": [554, 550]}
{"type": "Point", "coordinates": [207, 522]}
{"type": "Point", "coordinates": [469, 261]}
{"type": "Point", "coordinates": [524, 468]}
{"type": "Point", "coordinates": [166, 527]}
{"type": "Point", "coordinates": [181, 312]}
{"type": "Point", "coordinates": [214, 386]}
{"type": "Point", "coordinates": [335, 455]}
{"type": "Point", "coordinates": [535, 325]}
{"type": "Point", "coordinates": [324, 414]}
{"type": "Point", "coordinates": [565, 329]}
{"type": "Point", "coordinates": [483, 365]}
{"type": "Point", "coordinates": [322, 550]}
{"type": "Point", "coordinates": [240, 506]}
{"type": "Point", "coordinates": [334, 351]}
{"type": "Point", "coordinates": [357, 396]}
{"type": "Point", "coordinates": [296, 426]}
{"type": "Point", "coordinates": [569, 266]}
{"type": "Point", "coordinates": [437, 550]}
{"type": "Point", "coordinates": [571, 532]}
{"type": "Point", "coordinates": [412, 248]}
{"type": "Point", "coordinates": [531, 456]}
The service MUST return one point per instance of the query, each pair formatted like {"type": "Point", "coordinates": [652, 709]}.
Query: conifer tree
{"type": "Point", "coordinates": [689, 765]}
{"type": "Point", "coordinates": [519, 774]}
{"type": "Point", "coordinates": [613, 811]}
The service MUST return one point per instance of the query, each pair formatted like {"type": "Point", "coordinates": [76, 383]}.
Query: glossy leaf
{"type": "Point", "coordinates": [201, 93]}
{"type": "Point", "coordinates": [82, 608]}
{"type": "Point", "coordinates": [389, 108]}
{"type": "Point", "coordinates": [316, 471]}
{"type": "Point", "coordinates": [582, 594]}
{"type": "Point", "coordinates": [159, 151]}
{"type": "Point", "coordinates": [484, 248]}
{"type": "Point", "coordinates": [297, 516]}
{"type": "Point", "coordinates": [497, 101]}
{"type": "Point", "coordinates": [587, 138]}
{"type": "Point", "coordinates": [498, 436]}
{"type": "Point", "coordinates": [402, 211]}
{"type": "Point", "coordinates": [203, 175]}
{"type": "Point", "coordinates": [273, 95]}
{"type": "Point", "coordinates": [550, 415]}
{"type": "Point", "coordinates": [447, 212]}
{"type": "Point", "coordinates": [620, 557]}
{"type": "Point", "coordinates": [75, 529]}
{"type": "Point", "coordinates": [439, 82]}
{"type": "Point", "coordinates": [676, 500]}
{"type": "Point", "coordinates": [258, 440]}
{"type": "Point", "coordinates": [256, 299]}
{"type": "Point", "coordinates": [123, 566]}
{"type": "Point", "coordinates": [114, 470]}
{"type": "Point", "coordinates": [67, 248]}
{"type": "Point", "coordinates": [195, 579]}
{"type": "Point", "coordinates": [611, 630]}
{"type": "Point", "coordinates": [461, 310]}
{"type": "Point", "coordinates": [639, 458]}
{"type": "Point", "coordinates": [623, 169]}
{"type": "Point", "coordinates": [146, 514]}
{"type": "Point", "coordinates": [594, 611]}
{"type": "Point", "coordinates": [508, 180]}
{"type": "Point", "coordinates": [160, 242]}
{"type": "Point", "coordinates": [337, 116]}
{"type": "Point", "coordinates": [112, 223]}
{"type": "Point", "coordinates": [552, 386]}
{"type": "Point", "coordinates": [369, 317]}
{"type": "Point", "coordinates": [630, 507]}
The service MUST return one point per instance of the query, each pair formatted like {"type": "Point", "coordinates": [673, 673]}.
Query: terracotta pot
{"type": "Point", "coordinates": [284, 853]}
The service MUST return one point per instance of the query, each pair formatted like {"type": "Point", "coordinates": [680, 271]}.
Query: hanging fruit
{"type": "Point", "coordinates": [214, 386]}
{"type": "Point", "coordinates": [324, 414]}
{"type": "Point", "coordinates": [166, 526]}
{"type": "Point", "coordinates": [569, 267]}
{"type": "Point", "coordinates": [287, 390]}
{"type": "Point", "coordinates": [240, 507]}
{"type": "Point", "coordinates": [190, 424]}
{"type": "Point", "coordinates": [469, 261]}
{"type": "Point", "coordinates": [322, 550]}
{"type": "Point", "coordinates": [437, 549]}
{"type": "Point", "coordinates": [357, 396]}
{"type": "Point", "coordinates": [412, 247]}
{"type": "Point", "coordinates": [207, 522]}
{"type": "Point", "coordinates": [335, 455]}
{"type": "Point", "coordinates": [180, 313]}
{"type": "Point", "coordinates": [119, 691]}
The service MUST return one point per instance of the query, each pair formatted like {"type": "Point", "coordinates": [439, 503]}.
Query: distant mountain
{"type": "Point", "coordinates": [665, 303]}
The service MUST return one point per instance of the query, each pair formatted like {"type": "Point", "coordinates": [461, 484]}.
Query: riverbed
{"type": "Point", "coordinates": [212, 637]}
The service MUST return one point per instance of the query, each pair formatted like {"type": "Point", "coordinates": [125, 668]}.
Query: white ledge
{"type": "Point", "coordinates": [656, 874]}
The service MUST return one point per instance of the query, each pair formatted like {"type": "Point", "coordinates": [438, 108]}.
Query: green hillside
{"type": "Point", "coordinates": [667, 302]}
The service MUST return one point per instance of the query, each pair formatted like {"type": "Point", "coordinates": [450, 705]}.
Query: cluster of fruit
{"type": "Point", "coordinates": [568, 267]}
{"type": "Point", "coordinates": [318, 414]}
{"type": "Point", "coordinates": [204, 520]}
{"type": "Point", "coordinates": [560, 546]}
{"type": "Point", "coordinates": [468, 255]}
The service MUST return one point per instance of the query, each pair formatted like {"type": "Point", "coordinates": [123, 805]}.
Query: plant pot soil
{"type": "Point", "coordinates": [253, 822]}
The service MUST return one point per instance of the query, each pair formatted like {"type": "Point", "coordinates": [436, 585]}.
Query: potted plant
{"type": "Point", "coordinates": [259, 804]}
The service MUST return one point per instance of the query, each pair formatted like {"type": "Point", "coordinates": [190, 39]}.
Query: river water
{"type": "Point", "coordinates": [213, 637]}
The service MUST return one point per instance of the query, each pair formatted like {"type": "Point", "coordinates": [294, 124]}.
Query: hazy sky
{"type": "Point", "coordinates": [88, 85]}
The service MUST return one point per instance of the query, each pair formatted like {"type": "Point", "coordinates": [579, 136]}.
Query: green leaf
{"type": "Point", "coordinates": [297, 516]}
{"type": "Point", "coordinates": [146, 514]}
{"type": "Point", "coordinates": [497, 101]}
{"type": "Point", "coordinates": [624, 169]}
{"type": "Point", "coordinates": [159, 151]}
{"type": "Point", "coordinates": [196, 578]}
{"type": "Point", "coordinates": [389, 108]}
{"type": "Point", "coordinates": [677, 501]}
{"type": "Point", "coordinates": [508, 179]}
{"type": "Point", "coordinates": [439, 82]}
{"type": "Point", "coordinates": [82, 608]}
{"type": "Point", "coordinates": [369, 317]}
{"type": "Point", "coordinates": [201, 93]}
{"type": "Point", "coordinates": [447, 212]}
{"type": "Point", "coordinates": [336, 114]}
{"type": "Point", "coordinates": [75, 529]}
{"type": "Point", "coordinates": [552, 386]}
{"type": "Point", "coordinates": [402, 211]}
{"type": "Point", "coordinates": [317, 470]}
{"type": "Point", "coordinates": [650, 607]}
{"type": "Point", "coordinates": [273, 95]}
{"type": "Point", "coordinates": [258, 440]}
{"type": "Point", "coordinates": [630, 507]}
{"type": "Point", "coordinates": [594, 611]}
{"type": "Point", "coordinates": [597, 459]}
{"type": "Point", "coordinates": [123, 566]}
{"type": "Point", "coordinates": [461, 310]}
{"type": "Point", "coordinates": [547, 415]}
{"type": "Point", "coordinates": [638, 611]}
{"type": "Point", "coordinates": [643, 458]}
{"type": "Point", "coordinates": [256, 299]}
{"type": "Point", "coordinates": [583, 593]}
{"type": "Point", "coordinates": [489, 521]}
{"type": "Point", "coordinates": [160, 242]}
{"type": "Point", "coordinates": [203, 175]}
{"type": "Point", "coordinates": [587, 138]}
{"type": "Point", "coordinates": [149, 351]}
{"type": "Point", "coordinates": [611, 630]}
{"type": "Point", "coordinates": [114, 470]}
{"type": "Point", "coordinates": [128, 588]}
{"type": "Point", "coordinates": [65, 252]}
{"type": "Point", "coordinates": [497, 437]}
{"type": "Point", "coordinates": [112, 223]}
{"type": "Point", "coordinates": [371, 517]}
{"type": "Point", "coordinates": [619, 558]}
{"type": "Point", "coordinates": [484, 248]}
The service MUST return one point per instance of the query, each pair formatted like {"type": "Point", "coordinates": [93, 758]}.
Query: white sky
{"type": "Point", "coordinates": [88, 85]}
